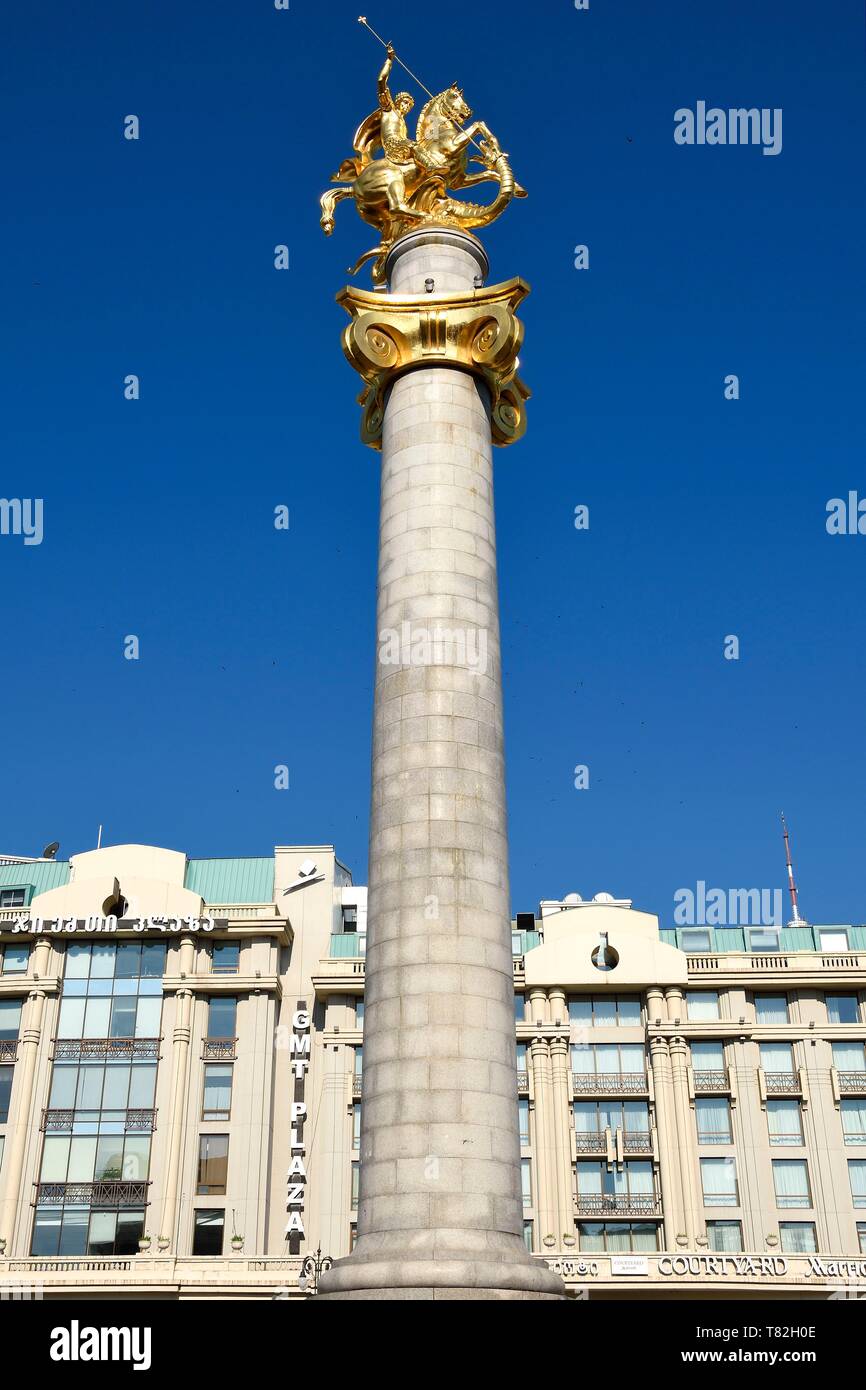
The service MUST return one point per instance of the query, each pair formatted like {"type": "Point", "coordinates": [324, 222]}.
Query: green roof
{"type": "Point", "coordinates": [231, 880]}
{"type": "Point", "coordinates": [39, 878]}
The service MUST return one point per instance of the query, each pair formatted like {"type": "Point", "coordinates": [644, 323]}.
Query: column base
{"type": "Point", "coordinates": [424, 1267]}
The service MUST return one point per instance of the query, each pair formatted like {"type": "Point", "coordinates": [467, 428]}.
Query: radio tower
{"type": "Point", "coordinates": [796, 920]}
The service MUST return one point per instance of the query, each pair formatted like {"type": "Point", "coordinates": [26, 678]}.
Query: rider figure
{"type": "Point", "coordinates": [396, 144]}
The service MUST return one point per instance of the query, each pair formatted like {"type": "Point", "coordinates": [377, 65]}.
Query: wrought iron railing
{"type": "Point", "coordinates": [8, 1049]}
{"type": "Point", "coordinates": [782, 1083]}
{"type": "Point", "coordinates": [711, 1081]}
{"type": "Point", "coordinates": [356, 1086]}
{"type": "Point", "coordinates": [640, 1143]}
{"type": "Point", "coordinates": [848, 1080]}
{"type": "Point", "coordinates": [610, 1083]}
{"type": "Point", "coordinates": [92, 1194]}
{"type": "Point", "coordinates": [134, 1121]}
{"type": "Point", "coordinates": [523, 1083]}
{"type": "Point", "coordinates": [586, 1143]}
{"type": "Point", "coordinates": [219, 1049]}
{"type": "Point", "coordinates": [637, 1204]}
{"type": "Point", "coordinates": [106, 1049]}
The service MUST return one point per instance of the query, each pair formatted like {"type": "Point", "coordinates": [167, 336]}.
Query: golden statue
{"type": "Point", "coordinates": [409, 185]}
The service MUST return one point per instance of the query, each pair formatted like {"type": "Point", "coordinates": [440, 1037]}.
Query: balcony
{"type": "Point", "coordinates": [600, 1207]}
{"type": "Point", "coordinates": [638, 1144]}
{"type": "Point", "coordinates": [712, 1081]}
{"type": "Point", "coordinates": [134, 1121]}
{"type": "Point", "coordinates": [590, 1143]}
{"type": "Point", "coordinates": [356, 1087]}
{"type": "Point", "coordinates": [92, 1194]}
{"type": "Point", "coordinates": [609, 1084]}
{"type": "Point", "coordinates": [8, 1049]}
{"type": "Point", "coordinates": [782, 1083]}
{"type": "Point", "coordinates": [219, 1049]}
{"type": "Point", "coordinates": [106, 1049]}
{"type": "Point", "coordinates": [523, 1083]}
{"type": "Point", "coordinates": [800, 966]}
{"type": "Point", "coordinates": [850, 1081]}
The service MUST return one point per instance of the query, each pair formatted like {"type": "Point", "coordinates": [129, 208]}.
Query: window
{"type": "Point", "coordinates": [15, 957]}
{"type": "Point", "coordinates": [10, 1019]}
{"type": "Point", "coordinates": [6, 1074]}
{"type": "Point", "coordinates": [854, 1120]}
{"type": "Point", "coordinates": [692, 939]}
{"type": "Point", "coordinates": [359, 1060]}
{"type": "Point", "coordinates": [87, 1158]}
{"type": "Point", "coordinates": [519, 1007]}
{"type": "Point", "coordinates": [526, 1180]}
{"type": "Point", "coordinates": [225, 957]}
{"type": "Point", "coordinates": [523, 1118]}
{"type": "Point", "coordinates": [350, 917]}
{"type": "Point", "coordinates": [617, 1236]}
{"type": "Point", "coordinates": [791, 1181]}
{"type": "Point", "coordinates": [861, 1236]}
{"type": "Point", "coordinates": [13, 897]}
{"type": "Point", "coordinates": [847, 1056]}
{"type": "Point", "coordinates": [213, 1164]}
{"type": "Point", "coordinates": [208, 1235]}
{"type": "Point", "coordinates": [222, 1017]}
{"type": "Point", "coordinates": [521, 1058]}
{"type": "Point", "coordinates": [777, 1058]}
{"type": "Point", "coordinates": [608, 1059]}
{"type": "Point", "coordinates": [798, 1238]}
{"type": "Point", "coordinates": [74, 1231]}
{"type": "Point", "coordinates": [359, 1013]}
{"type": "Point", "coordinates": [356, 1185]}
{"type": "Point", "coordinates": [702, 1006]}
{"type": "Point", "coordinates": [2, 1146]}
{"type": "Point", "coordinates": [771, 1008]}
{"type": "Point", "coordinates": [857, 1177]}
{"type": "Point", "coordinates": [98, 1094]}
{"type": "Point", "coordinates": [708, 1057]}
{"type": "Point", "coordinates": [527, 1235]}
{"type": "Point", "coordinates": [605, 1011]}
{"type": "Point", "coordinates": [719, 1182]}
{"type": "Point", "coordinates": [784, 1122]}
{"type": "Point", "coordinates": [763, 940]}
{"type": "Point", "coordinates": [834, 940]}
{"type": "Point", "coordinates": [595, 1116]}
{"type": "Point", "coordinates": [725, 1237]}
{"type": "Point", "coordinates": [217, 1101]}
{"type": "Point", "coordinates": [713, 1117]}
{"type": "Point", "coordinates": [356, 1126]}
{"type": "Point", "coordinates": [600, 1186]}
{"type": "Point", "coordinates": [843, 1008]}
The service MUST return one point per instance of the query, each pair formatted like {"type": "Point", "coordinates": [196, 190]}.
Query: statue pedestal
{"type": "Point", "coordinates": [441, 1211]}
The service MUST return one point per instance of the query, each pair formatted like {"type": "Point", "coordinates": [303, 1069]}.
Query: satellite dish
{"type": "Point", "coordinates": [50, 851]}
{"type": "Point", "coordinates": [572, 898]}
{"type": "Point", "coordinates": [604, 898]}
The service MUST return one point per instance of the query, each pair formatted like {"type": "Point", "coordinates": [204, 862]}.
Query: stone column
{"type": "Point", "coordinates": [561, 1080]}
{"type": "Point", "coordinates": [686, 1139]}
{"type": "Point", "coordinates": [667, 1139]}
{"type": "Point", "coordinates": [24, 1076]}
{"type": "Point", "coordinates": [440, 1212]}
{"type": "Point", "coordinates": [177, 1104]}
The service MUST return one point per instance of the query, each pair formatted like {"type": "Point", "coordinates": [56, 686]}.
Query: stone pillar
{"type": "Point", "coordinates": [666, 1138]}
{"type": "Point", "coordinates": [686, 1140]}
{"type": "Point", "coordinates": [177, 1104]}
{"type": "Point", "coordinates": [544, 1161]}
{"type": "Point", "coordinates": [25, 1073]}
{"type": "Point", "coordinates": [561, 1080]}
{"type": "Point", "coordinates": [440, 1212]}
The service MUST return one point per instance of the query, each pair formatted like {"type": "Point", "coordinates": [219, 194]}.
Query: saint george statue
{"type": "Point", "coordinates": [410, 183]}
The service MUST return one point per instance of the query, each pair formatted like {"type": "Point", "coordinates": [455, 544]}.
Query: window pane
{"type": "Point", "coordinates": [708, 1056]}
{"type": "Point", "coordinates": [849, 1056]}
{"type": "Point", "coordinates": [834, 940]}
{"type": "Point", "coordinates": [46, 1233]}
{"type": "Point", "coordinates": [582, 1060]}
{"type": "Point", "coordinates": [208, 1235]}
{"type": "Point", "coordinates": [783, 1122]}
{"type": "Point", "coordinates": [629, 1013]}
{"type": "Point", "coordinates": [604, 1012]}
{"type": "Point", "coordinates": [763, 940]}
{"type": "Point", "coordinates": [725, 1237]}
{"type": "Point", "coordinates": [147, 1018]}
{"type": "Point", "coordinates": [15, 958]}
{"type": "Point", "coordinates": [522, 1115]}
{"type": "Point", "coordinates": [854, 1121]}
{"type": "Point", "coordinates": [633, 1057]}
{"type": "Point", "coordinates": [217, 1091]}
{"type": "Point", "coordinates": [719, 1179]}
{"type": "Point", "coordinates": [152, 959]}
{"type": "Point", "coordinates": [636, 1117]}
{"type": "Point", "coordinates": [771, 1008]}
{"type": "Point", "coordinates": [123, 1017]}
{"type": "Point", "coordinates": [63, 1085]}
{"type": "Point", "coordinates": [128, 960]}
{"type": "Point", "coordinates": [10, 1018]}
{"type": "Point", "coordinates": [96, 1018]}
{"type": "Point", "coordinates": [702, 1006]}
{"type": "Point", "coordinates": [91, 1078]}
{"type": "Point", "coordinates": [580, 1011]}
{"type": "Point", "coordinates": [142, 1083]}
{"type": "Point", "coordinates": [102, 957]}
{"type": "Point", "coordinates": [136, 1157]}
{"type": "Point", "coordinates": [103, 1225]}
{"type": "Point", "coordinates": [109, 1159]}
{"type": "Point", "coordinates": [82, 1156]}
{"type": "Point", "coordinates": [857, 1176]}
{"type": "Point", "coordinates": [713, 1117]}
{"type": "Point", "coordinates": [843, 1008]}
{"type": "Point", "coordinates": [777, 1057]}
{"type": "Point", "coordinates": [73, 1233]}
{"type": "Point", "coordinates": [221, 1018]}
{"type": "Point", "coordinates": [590, 1236]}
{"type": "Point", "coordinates": [130, 1227]}
{"type": "Point", "coordinates": [55, 1159]}
{"type": "Point", "coordinates": [213, 1158]}
{"type": "Point", "coordinates": [798, 1238]}
{"type": "Point", "coordinates": [225, 957]}
{"type": "Point", "coordinates": [791, 1180]}
{"type": "Point", "coordinates": [77, 961]}
{"type": "Point", "coordinates": [695, 940]}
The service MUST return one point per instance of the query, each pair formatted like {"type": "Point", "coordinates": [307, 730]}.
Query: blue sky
{"type": "Point", "coordinates": [707, 516]}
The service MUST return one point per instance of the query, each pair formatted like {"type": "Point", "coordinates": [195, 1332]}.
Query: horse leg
{"type": "Point", "coordinates": [328, 203]}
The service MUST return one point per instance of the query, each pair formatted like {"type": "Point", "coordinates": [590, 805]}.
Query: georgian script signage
{"type": "Point", "coordinates": [53, 926]}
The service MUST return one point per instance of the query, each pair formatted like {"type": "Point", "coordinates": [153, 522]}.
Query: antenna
{"type": "Point", "coordinates": [99, 838]}
{"type": "Point", "coordinates": [796, 920]}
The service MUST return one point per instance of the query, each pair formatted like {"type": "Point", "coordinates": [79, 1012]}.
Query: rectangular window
{"type": "Point", "coordinates": [521, 1058]}
{"type": "Point", "coordinates": [857, 1177]}
{"type": "Point", "coordinates": [798, 1238]}
{"type": "Point", "coordinates": [834, 940]}
{"type": "Point", "coordinates": [217, 1101]}
{"type": "Point", "coordinates": [725, 1237]}
{"type": "Point", "coordinates": [771, 1008]}
{"type": "Point", "coordinates": [225, 957]}
{"type": "Point", "coordinates": [594, 1237]}
{"type": "Point", "coordinates": [13, 897]}
{"type": "Point", "coordinates": [359, 1013]}
{"type": "Point", "coordinates": [6, 1074]}
{"type": "Point", "coordinates": [719, 1182]}
{"type": "Point", "coordinates": [213, 1165]}
{"type": "Point", "coordinates": [708, 1056]}
{"type": "Point", "coordinates": [847, 1056]}
{"type": "Point", "coordinates": [208, 1235]}
{"type": "Point", "coordinates": [15, 957]}
{"type": "Point", "coordinates": [854, 1120]}
{"type": "Point", "coordinates": [784, 1122]}
{"type": "Point", "coordinates": [10, 1019]}
{"type": "Point", "coordinates": [777, 1058]}
{"type": "Point", "coordinates": [359, 1060]}
{"type": "Point", "coordinates": [608, 1059]}
{"type": "Point", "coordinates": [713, 1117]}
{"type": "Point", "coordinates": [791, 1181]}
{"type": "Point", "coordinates": [356, 1126]}
{"type": "Point", "coordinates": [702, 1006]}
{"type": "Point", "coordinates": [843, 1008]}
{"type": "Point", "coordinates": [221, 1016]}
{"type": "Point", "coordinates": [605, 1011]}
{"type": "Point", "coordinates": [356, 1185]}
{"type": "Point", "coordinates": [527, 1235]}
{"type": "Point", "coordinates": [861, 1236]}
{"type": "Point", "coordinates": [523, 1117]}
{"type": "Point", "coordinates": [519, 1008]}
{"type": "Point", "coordinates": [526, 1180]}
{"type": "Point", "coordinates": [763, 941]}
{"type": "Point", "coordinates": [694, 939]}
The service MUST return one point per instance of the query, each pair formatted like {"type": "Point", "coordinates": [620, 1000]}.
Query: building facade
{"type": "Point", "coordinates": [181, 1083]}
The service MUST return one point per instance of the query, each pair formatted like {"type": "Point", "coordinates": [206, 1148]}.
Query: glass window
{"type": "Point", "coordinates": [527, 1235]}
{"type": "Point", "coordinates": [359, 1060]}
{"type": "Point", "coordinates": [713, 1117]}
{"type": "Point", "coordinates": [798, 1238]}
{"type": "Point", "coordinates": [359, 1013]}
{"type": "Point", "coordinates": [854, 1120]}
{"type": "Point", "coordinates": [861, 1236]}
{"type": "Point", "coordinates": [521, 1057]}
{"type": "Point", "coordinates": [127, 963]}
{"type": "Point", "coordinates": [217, 1103]}
{"type": "Point", "coordinates": [10, 1019]}
{"type": "Point", "coordinates": [148, 1016]}
{"type": "Point", "coordinates": [849, 1056]}
{"type": "Point", "coordinates": [103, 955]}
{"type": "Point", "coordinates": [616, 1236]}
{"type": "Point", "coordinates": [6, 1074]}
{"type": "Point", "coordinates": [221, 1016]}
{"type": "Point", "coordinates": [777, 1058]}
{"type": "Point", "coordinates": [122, 1023]}
{"type": "Point", "coordinates": [523, 1117]}
{"type": "Point", "coordinates": [15, 958]}
{"type": "Point", "coordinates": [208, 1235]}
{"type": "Point", "coordinates": [13, 897]}
{"type": "Point", "coordinates": [64, 1080]}
{"type": "Point", "coordinates": [605, 1011]}
{"type": "Point", "coordinates": [356, 1185]}
{"type": "Point", "coordinates": [356, 1126]}
{"type": "Point", "coordinates": [843, 1008]}
{"type": "Point", "coordinates": [97, 1013]}
{"type": "Point", "coordinates": [142, 1085]}
{"type": "Point", "coordinates": [694, 939]}
{"type": "Point", "coordinates": [708, 1056]}
{"type": "Point", "coordinates": [763, 940]}
{"type": "Point", "coordinates": [771, 1008]}
{"type": "Point", "coordinates": [526, 1180]}
{"type": "Point", "coordinates": [791, 1181]}
{"type": "Point", "coordinates": [857, 1176]}
{"type": "Point", "coordinates": [153, 959]}
{"type": "Point", "coordinates": [225, 957]}
{"type": "Point", "coordinates": [703, 1005]}
{"type": "Point", "coordinates": [719, 1181]}
{"type": "Point", "coordinates": [725, 1237]}
{"type": "Point", "coordinates": [213, 1163]}
{"type": "Point", "coordinates": [519, 1007]}
{"type": "Point", "coordinates": [834, 940]}
{"type": "Point", "coordinates": [784, 1122]}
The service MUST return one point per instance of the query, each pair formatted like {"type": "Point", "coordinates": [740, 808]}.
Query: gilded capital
{"type": "Point", "coordinates": [478, 332]}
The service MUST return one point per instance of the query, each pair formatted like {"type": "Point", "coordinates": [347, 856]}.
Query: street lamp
{"type": "Point", "coordinates": [311, 1268]}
